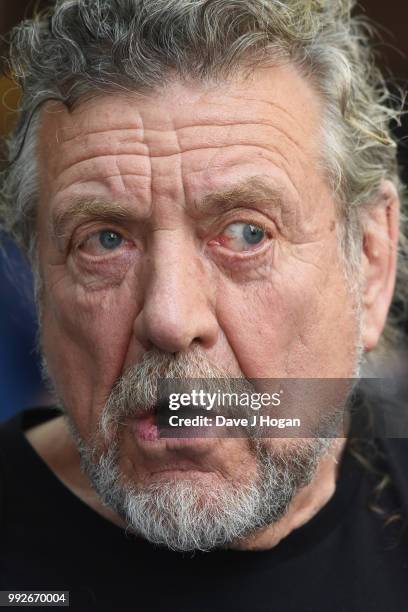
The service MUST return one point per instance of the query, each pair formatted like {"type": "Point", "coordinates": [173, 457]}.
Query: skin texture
{"type": "Point", "coordinates": [281, 309]}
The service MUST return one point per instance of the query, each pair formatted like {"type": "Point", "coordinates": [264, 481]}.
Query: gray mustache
{"type": "Point", "coordinates": [142, 387]}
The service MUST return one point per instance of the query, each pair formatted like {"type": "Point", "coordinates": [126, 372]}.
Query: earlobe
{"type": "Point", "coordinates": [380, 247]}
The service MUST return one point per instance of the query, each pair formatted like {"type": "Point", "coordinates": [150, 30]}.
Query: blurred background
{"type": "Point", "coordinates": [20, 380]}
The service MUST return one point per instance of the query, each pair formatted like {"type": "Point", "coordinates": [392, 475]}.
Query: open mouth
{"type": "Point", "coordinates": [151, 421]}
{"type": "Point", "coordinates": [146, 426]}
{"type": "Point", "coordinates": [154, 422]}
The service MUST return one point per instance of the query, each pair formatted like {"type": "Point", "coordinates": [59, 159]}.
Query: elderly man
{"type": "Point", "coordinates": [206, 190]}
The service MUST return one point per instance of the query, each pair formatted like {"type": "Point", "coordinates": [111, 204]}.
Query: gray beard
{"type": "Point", "coordinates": [186, 514]}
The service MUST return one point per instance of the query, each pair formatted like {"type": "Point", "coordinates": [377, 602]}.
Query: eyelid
{"type": "Point", "coordinates": [250, 217]}
{"type": "Point", "coordinates": [257, 223]}
{"type": "Point", "coordinates": [94, 255]}
{"type": "Point", "coordinates": [99, 231]}
{"type": "Point", "coordinates": [78, 241]}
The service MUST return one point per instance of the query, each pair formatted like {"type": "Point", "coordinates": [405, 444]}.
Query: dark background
{"type": "Point", "coordinates": [20, 384]}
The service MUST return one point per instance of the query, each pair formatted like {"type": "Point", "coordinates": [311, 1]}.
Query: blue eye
{"type": "Point", "coordinates": [253, 234]}
{"type": "Point", "coordinates": [110, 240]}
{"type": "Point", "coordinates": [241, 237]}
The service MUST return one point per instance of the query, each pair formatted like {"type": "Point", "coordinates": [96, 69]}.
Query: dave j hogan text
{"type": "Point", "coordinates": [256, 420]}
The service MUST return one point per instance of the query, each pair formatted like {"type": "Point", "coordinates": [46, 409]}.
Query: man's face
{"type": "Point", "coordinates": [192, 219]}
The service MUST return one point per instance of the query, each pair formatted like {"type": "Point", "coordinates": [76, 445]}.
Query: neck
{"type": "Point", "coordinates": [54, 444]}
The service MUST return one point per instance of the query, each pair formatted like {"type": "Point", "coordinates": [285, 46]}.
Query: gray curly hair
{"type": "Point", "coordinates": [82, 47]}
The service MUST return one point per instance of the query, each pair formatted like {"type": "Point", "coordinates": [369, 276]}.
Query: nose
{"type": "Point", "coordinates": [179, 297]}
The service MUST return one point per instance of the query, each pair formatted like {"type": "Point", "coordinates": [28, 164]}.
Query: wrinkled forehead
{"type": "Point", "coordinates": [185, 142]}
{"type": "Point", "coordinates": [277, 97]}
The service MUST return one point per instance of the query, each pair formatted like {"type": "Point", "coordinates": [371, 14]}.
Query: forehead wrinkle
{"type": "Point", "coordinates": [178, 139]}
{"type": "Point", "coordinates": [181, 167]}
{"type": "Point", "coordinates": [149, 144]}
{"type": "Point", "coordinates": [78, 165]}
{"type": "Point", "coordinates": [89, 157]}
{"type": "Point", "coordinates": [145, 136]}
{"type": "Point", "coordinates": [212, 137]}
{"type": "Point", "coordinates": [136, 132]}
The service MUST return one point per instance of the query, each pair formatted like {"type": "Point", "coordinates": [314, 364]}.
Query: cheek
{"type": "Point", "coordinates": [289, 323]}
{"type": "Point", "coordinates": [85, 336]}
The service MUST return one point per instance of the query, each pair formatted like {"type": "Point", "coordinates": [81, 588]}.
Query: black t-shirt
{"type": "Point", "coordinates": [347, 558]}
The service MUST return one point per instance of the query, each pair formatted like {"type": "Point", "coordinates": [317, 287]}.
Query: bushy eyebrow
{"type": "Point", "coordinates": [253, 191]}
{"type": "Point", "coordinates": [81, 209]}
{"type": "Point", "coordinates": [245, 194]}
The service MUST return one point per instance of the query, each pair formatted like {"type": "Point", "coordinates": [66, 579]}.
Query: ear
{"type": "Point", "coordinates": [380, 248]}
